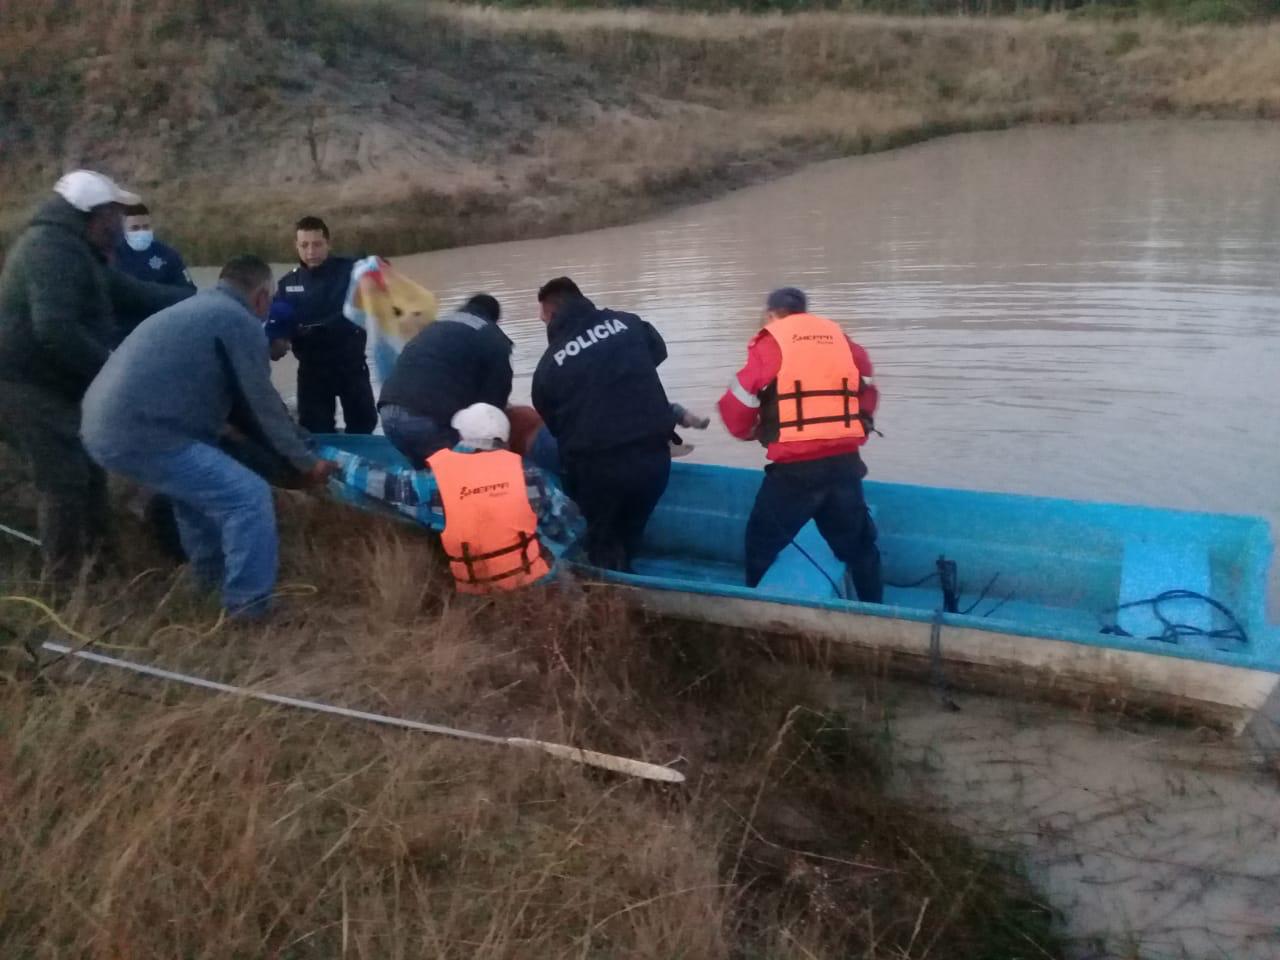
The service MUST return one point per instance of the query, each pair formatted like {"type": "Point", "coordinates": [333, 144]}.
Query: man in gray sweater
{"type": "Point", "coordinates": [155, 411]}
{"type": "Point", "coordinates": [59, 306]}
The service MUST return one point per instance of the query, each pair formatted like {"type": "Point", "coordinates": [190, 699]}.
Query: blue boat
{"type": "Point", "coordinates": [1153, 607]}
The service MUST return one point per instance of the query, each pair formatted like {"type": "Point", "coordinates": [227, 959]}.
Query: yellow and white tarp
{"type": "Point", "coordinates": [391, 309]}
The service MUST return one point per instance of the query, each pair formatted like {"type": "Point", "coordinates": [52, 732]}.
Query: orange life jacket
{"type": "Point", "coordinates": [818, 383]}
{"type": "Point", "coordinates": [490, 530]}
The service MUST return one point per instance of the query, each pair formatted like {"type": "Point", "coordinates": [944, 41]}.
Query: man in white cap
{"type": "Point", "coordinates": [58, 304]}
{"type": "Point", "coordinates": [491, 503]}
{"type": "Point", "coordinates": [500, 516]}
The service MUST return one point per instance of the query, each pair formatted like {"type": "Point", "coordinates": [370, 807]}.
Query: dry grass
{"type": "Point", "coordinates": [145, 820]}
{"type": "Point", "coordinates": [418, 126]}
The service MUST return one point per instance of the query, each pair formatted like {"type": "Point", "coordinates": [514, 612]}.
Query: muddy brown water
{"type": "Point", "coordinates": [1088, 312]}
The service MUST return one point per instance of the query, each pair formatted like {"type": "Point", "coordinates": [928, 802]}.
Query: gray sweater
{"type": "Point", "coordinates": [186, 372]}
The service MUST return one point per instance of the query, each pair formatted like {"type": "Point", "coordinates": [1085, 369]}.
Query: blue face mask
{"type": "Point", "coordinates": [139, 240]}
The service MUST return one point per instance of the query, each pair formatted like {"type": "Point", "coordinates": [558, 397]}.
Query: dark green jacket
{"type": "Point", "coordinates": [59, 302]}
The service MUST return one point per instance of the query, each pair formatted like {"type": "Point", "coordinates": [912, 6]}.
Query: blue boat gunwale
{"type": "Point", "coordinates": [1264, 641]}
{"type": "Point", "coordinates": [1264, 646]}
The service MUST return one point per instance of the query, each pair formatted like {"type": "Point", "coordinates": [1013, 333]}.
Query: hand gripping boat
{"type": "Point", "coordinates": [1154, 607]}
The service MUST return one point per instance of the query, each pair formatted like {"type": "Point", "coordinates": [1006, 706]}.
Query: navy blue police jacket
{"type": "Point", "coordinates": [159, 263]}
{"type": "Point", "coordinates": [597, 386]}
{"type": "Point", "coordinates": [459, 360]}
{"type": "Point", "coordinates": [318, 329]}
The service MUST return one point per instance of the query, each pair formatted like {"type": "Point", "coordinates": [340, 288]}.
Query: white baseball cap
{"type": "Point", "coordinates": [481, 425]}
{"type": "Point", "coordinates": [84, 190]}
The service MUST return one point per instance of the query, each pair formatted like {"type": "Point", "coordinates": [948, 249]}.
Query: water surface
{"type": "Point", "coordinates": [1087, 312]}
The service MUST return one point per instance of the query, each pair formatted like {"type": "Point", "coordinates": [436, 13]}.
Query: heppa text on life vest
{"type": "Point", "coordinates": [593, 336]}
{"type": "Point", "coordinates": [489, 488]}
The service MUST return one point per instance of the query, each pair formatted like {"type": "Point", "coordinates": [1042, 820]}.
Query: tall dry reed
{"type": "Point", "coordinates": [148, 820]}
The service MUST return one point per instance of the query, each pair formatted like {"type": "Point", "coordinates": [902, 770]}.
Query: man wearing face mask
{"type": "Point", "coordinates": [205, 358]}
{"type": "Point", "coordinates": [143, 257]}
{"type": "Point", "coordinates": [59, 303]}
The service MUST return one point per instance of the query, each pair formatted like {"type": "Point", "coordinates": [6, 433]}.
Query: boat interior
{"type": "Point", "coordinates": [1170, 582]}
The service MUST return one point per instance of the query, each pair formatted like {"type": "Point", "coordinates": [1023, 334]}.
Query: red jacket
{"type": "Point", "coordinates": [740, 405]}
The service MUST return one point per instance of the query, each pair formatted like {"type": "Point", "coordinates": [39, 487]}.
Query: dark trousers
{"type": "Point", "coordinates": [323, 382]}
{"type": "Point", "coordinates": [73, 512]}
{"type": "Point", "coordinates": [617, 491]}
{"type": "Point", "coordinates": [829, 492]}
{"type": "Point", "coordinates": [415, 436]}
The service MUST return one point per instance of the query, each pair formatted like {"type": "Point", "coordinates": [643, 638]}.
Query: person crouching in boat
{"type": "Point", "coordinates": [500, 515]}
{"type": "Point", "coordinates": [807, 394]}
{"type": "Point", "coordinates": [462, 359]}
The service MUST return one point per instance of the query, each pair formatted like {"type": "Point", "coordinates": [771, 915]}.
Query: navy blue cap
{"type": "Point", "coordinates": [790, 299]}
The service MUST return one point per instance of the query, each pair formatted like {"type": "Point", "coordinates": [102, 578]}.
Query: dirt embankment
{"type": "Point", "coordinates": [419, 128]}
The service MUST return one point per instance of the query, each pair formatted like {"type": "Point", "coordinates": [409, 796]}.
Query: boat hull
{"type": "Point", "coordinates": [1224, 696]}
{"type": "Point", "coordinates": [1062, 596]}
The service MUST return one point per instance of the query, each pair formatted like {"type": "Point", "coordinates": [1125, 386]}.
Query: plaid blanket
{"type": "Point", "coordinates": [413, 493]}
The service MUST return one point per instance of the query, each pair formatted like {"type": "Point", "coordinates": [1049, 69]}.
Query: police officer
{"type": "Point", "coordinates": [143, 257]}
{"type": "Point", "coordinates": [329, 347]}
{"type": "Point", "coordinates": [597, 389]}
{"type": "Point", "coordinates": [461, 359]}
{"type": "Point", "coordinates": [808, 395]}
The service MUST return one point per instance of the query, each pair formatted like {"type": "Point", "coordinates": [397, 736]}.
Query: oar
{"type": "Point", "coordinates": [605, 761]}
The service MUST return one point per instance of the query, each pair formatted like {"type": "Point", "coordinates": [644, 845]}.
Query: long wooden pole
{"type": "Point", "coordinates": [605, 761]}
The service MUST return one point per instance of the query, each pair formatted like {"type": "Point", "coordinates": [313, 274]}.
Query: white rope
{"type": "Point", "coordinates": [635, 768]}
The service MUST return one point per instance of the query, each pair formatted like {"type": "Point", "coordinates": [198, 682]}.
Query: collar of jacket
{"type": "Point", "coordinates": [228, 290]}
{"type": "Point", "coordinates": [474, 322]}
{"type": "Point", "coordinates": [464, 318]}
{"type": "Point", "coordinates": [327, 267]}
{"type": "Point", "coordinates": [574, 316]}
{"type": "Point", "coordinates": [57, 212]}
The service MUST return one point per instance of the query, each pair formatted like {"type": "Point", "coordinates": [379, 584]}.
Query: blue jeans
{"type": "Point", "coordinates": [225, 516]}
{"type": "Point", "coordinates": [416, 436]}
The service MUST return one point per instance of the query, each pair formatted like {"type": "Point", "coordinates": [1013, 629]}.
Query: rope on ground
{"type": "Point", "coordinates": [49, 614]}
{"type": "Point", "coordinates": [193, 631]}
{"type": "Point", "coordinates": [140, 577]}
{"type": "Point", "coordinates": [297, 590]}
{"type": "Point", "coordinates": [84, 639]}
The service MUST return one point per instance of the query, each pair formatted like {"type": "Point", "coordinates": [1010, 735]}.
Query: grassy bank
{"type": "Point", "coordinates": [418, 127]}
{"type": "Point", "coordinates": [143, 820]}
